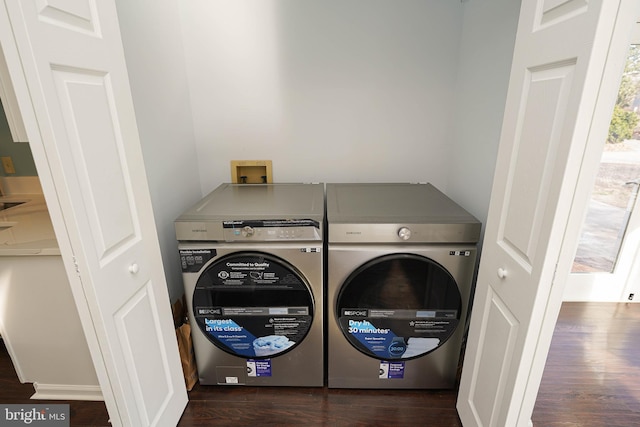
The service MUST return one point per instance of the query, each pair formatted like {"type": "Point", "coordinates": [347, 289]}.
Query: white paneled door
{"type": "Point", "coordinates": [559, 61]}
{"type": "Point", "coordinates": [85, 143]}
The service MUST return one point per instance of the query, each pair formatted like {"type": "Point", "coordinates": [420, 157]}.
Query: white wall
{"type": "Point", "coordinates": [332, 90]}
{"type": "Point", "coordinates": [155, 61]}
{"type": "Point", "coordinates": [359, 90]}
{"type": "Point", "coordinates": [488, 36]}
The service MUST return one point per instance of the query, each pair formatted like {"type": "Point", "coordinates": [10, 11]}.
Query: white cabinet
{"type": "Point", "coordinates": [41, 328]}
{"type": "Point", "coordinates": [39, 321]}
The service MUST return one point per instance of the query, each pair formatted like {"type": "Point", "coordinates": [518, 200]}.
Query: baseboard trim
{"type": "Point", "coordinates": [67, 392]}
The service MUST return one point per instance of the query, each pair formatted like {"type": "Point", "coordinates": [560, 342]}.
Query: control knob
{"type": "Point", "coordinates": [404, 233]}
{"type": "Point", "coordinates": [247, 231]}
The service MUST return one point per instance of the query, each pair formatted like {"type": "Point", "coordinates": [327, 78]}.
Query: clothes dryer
{"type": "Point", "coordinates": [401, 260]}
{"type": "Point", "coordinates": [252, 263]}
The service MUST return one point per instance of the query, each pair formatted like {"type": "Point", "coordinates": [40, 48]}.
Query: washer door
{"type": "Point", "coordinates": [399, 306]}
{"type": "Point", "coordinates": [253, 305]}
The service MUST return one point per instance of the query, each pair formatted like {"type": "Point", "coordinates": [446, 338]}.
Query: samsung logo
{"type": "Point", "coordinates": [354, 232]}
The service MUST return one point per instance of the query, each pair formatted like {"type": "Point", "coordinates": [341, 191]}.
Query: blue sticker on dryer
{"type": "Point", "coordinates": [391, 370]}
{"type": "Point", "coordinates": [397, 334]}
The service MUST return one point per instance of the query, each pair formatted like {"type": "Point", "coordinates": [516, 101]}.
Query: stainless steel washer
{"type": "Point", "coordinates": [252, 263]}
{"type": "Point", "coordinates": [400, 264]}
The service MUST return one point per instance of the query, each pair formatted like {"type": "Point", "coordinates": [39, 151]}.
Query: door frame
{"type": "Point", "coordinates": [597, 286]}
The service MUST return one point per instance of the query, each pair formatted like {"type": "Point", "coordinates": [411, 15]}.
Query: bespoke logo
{"type": "Point", "coordinates": [355, 312]}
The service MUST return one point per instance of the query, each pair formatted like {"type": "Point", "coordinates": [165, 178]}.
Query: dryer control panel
{"type": "Point", "coordinates": [271, 230]}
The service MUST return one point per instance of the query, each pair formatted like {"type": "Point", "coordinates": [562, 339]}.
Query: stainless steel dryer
{"type": "Point", "coordinates": [400, 264]}
{"type": "Point", "coordinates": [252, 263]}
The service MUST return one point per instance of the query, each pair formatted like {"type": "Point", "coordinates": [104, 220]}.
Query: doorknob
{"type": "Point", "coordinates": [502, 273]}
{"type": "Point", "coordinates": [133, 268]}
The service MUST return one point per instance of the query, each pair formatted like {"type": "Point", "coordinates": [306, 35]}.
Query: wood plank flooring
{"type": "Point", "coordinates": [592, 379]}
{"type": "Point", "coordinates": [12, 391]}
{"type": "Point", "coordinates": [592, 375]}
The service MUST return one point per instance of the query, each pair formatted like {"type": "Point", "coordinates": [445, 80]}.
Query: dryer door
{"type": "Point", "coordinates": [399, 306]}
{"type": "Point", "coordinates": [253, 305]}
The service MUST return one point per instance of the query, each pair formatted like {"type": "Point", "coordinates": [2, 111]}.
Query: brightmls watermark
{"type": "Point", "coordinates": [34, 415]}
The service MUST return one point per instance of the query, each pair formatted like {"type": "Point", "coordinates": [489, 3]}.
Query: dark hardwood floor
{"type": "Point", "coordinates": [592, 379]}
{"type": "Point", "coordinates": [12, 391]}
{"type": "Point", "coordinates": [592, 375]}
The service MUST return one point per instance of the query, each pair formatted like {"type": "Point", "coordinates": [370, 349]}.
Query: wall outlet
{"type": "Point", "coordinates": [7, 164]}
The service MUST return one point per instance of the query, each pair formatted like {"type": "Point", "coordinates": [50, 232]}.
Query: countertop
{"type": "Point", "coordinates": [26, 229]}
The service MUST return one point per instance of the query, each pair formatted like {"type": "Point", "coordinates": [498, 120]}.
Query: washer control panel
{"type": "Point", "coordinates": [270, 230]}
{"type": "Point", "coordinates": [247, 231]}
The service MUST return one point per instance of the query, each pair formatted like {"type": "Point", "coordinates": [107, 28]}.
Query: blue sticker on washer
{"type": "Point", "coordinates": [231, 335]}
{"type": "Point", "coordinates": [252, 305]}
{"type": "Point", "coordinates": [244, 343]}
{"type": "Point", "coordinates": [259, 368]}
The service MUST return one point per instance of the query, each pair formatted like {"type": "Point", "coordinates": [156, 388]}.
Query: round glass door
{"type": "Point", "coordinates": [399, 306]}
{"type": "Point", "coordinates": [253, 305]}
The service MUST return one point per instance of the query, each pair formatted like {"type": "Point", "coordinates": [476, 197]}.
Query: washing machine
{"type": "Point", "coordinates": [252, 266]}
{"type": "Point", "coordinates": [400, 263]}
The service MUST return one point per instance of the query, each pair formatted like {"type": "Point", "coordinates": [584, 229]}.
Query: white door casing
{"type": "Point", "coordinates": [559, 57]}
{"type": "Point", "coordinates": [85, 140]}
{"type": "Point", "coordinates": [625, 278]}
